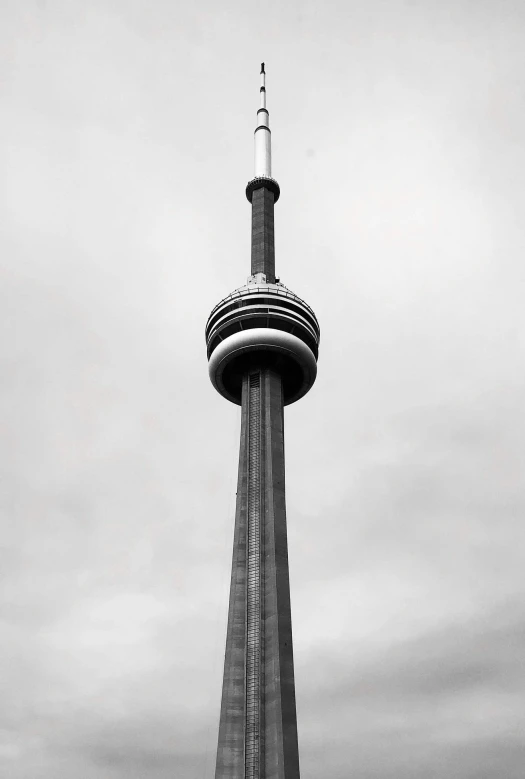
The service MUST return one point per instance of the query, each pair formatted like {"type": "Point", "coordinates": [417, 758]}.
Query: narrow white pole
{"type": "Point", "coordinates": [263, 149]}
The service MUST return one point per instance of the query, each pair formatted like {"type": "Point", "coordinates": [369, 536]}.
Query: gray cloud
{"type": "Point", "coordinates": [125, 146]}
{"type": "Point", "coordinates": [450, 701]}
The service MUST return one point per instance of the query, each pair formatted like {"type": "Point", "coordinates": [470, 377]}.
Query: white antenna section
{"type": "Point", "coordinates": [263, 147]}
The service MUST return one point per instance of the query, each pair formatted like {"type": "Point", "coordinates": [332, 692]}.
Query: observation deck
{"type": "Point", "coordinates": [262, 325]}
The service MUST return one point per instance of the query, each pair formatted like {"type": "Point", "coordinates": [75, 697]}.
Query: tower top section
{"type": "Point", "coordinates": [263, 148]}
{"type": "Point", "coordinates": [262, 323]}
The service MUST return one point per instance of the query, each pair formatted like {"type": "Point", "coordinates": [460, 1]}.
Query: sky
{"type": "Point", "coordinates": [125, 146]}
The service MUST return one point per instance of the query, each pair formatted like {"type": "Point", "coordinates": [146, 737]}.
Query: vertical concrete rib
{"type": "Point", "coordinates": [258, 728]}
{"type": "Point", "coordinates": [253, 589]}
{"type": "Point", "coordinates": [281, 753]}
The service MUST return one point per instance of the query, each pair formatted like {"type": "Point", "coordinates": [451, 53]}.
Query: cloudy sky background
{"type": "Point", "coordinates": [126, 143]}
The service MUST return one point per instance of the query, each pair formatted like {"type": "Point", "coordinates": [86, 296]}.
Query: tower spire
{"type": "Point", "coordinates": [263, 143]}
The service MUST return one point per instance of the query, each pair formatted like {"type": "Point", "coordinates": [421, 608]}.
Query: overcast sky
{"type": "Point", "coordinates": [126, 143]}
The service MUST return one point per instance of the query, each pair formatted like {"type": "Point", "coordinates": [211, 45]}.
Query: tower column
{"type": "Point", "coordinates": [258, 728]}
{"type": "Point", "coordinates": [262, 343]}
{"type": "Point", "coordinates": [263, 235]}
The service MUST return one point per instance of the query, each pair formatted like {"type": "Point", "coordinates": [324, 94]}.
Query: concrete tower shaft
{"type": "Point", "coordinates": [258, 727]}
{"type": "Point", "coordinates": [263, 234]}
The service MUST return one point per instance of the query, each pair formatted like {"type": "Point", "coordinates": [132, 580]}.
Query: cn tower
{"type": "Point", "coordinates": [263, 344]}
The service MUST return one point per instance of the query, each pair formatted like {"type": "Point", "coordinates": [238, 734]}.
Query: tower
{"type": "Point", "coordinates": [262, 345]}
